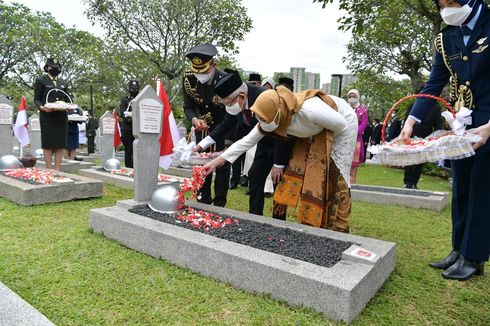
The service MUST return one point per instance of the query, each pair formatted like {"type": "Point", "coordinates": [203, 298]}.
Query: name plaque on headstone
{"type": "Point", "coordinates": [150, 116]}
{"type": "Point", "coordinates": [6, 114]}
{"type": "Point", "coordinates": [35, 125]}
{"type": "Point", "coordinates": [108, 125]}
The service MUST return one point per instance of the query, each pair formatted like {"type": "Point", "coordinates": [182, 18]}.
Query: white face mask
{"type": "Point", "coordinates": [204, 78]}
{"type": "Point", "coordinates": [456, 16]}
{"type": "Point", "coordinates": [271, 126]}
{"type": "Point", "coordinates": [353, 100]}
{"type": "Point", "coordinates": [233, 109]}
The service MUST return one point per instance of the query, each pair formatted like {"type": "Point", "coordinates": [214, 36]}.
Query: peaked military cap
{"type": "Point", "coordinates": [51, 62]}
{"type": "Point", "coordinates": [228, 84]}
{"type": "Point", "coordinates": [201, 57]}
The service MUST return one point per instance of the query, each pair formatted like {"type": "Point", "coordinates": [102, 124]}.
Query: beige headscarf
{"type": "Point", "coordinates": [269, 102]}
{"type": "Point", "coordinates": [283, 100]}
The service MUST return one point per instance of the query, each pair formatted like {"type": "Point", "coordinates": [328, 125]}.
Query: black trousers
{"type": "Point", "coordinates": [127, 140]}
{"type": "Point", "coordinates": [471, 207]}
{"type": "Point", "coordinates": [221, 180]}
{"type": "Point", "coordinates": [90, 145]}
{"type": "Point", "coordinates": [236, 169]}
{"type": "Point", "coordinates": [257, 176]}
{"type": "Point", "coordinates": [412, 174]}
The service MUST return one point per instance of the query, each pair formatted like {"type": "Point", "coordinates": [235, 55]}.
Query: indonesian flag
{"type": "Point", "coordinates": [20, 128]}
{"type": "Point", "coordinates": [117, 131]}
{"type": "Point", "coordinates": [170, 134]}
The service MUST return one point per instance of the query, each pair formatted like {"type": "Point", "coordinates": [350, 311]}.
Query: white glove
{"type": "Point", "coordinates": [128, 114]}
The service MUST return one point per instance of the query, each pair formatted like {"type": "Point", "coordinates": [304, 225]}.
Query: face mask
{"type": "Point", "coordinates": [204, 78]}
{"type": "Point", "coordinates": [456, 16]}
{"type": "Point", "coordinates": [353, 100]}
{"type": "Point", "coordinates": [54, 71]}
{"type": "Point", "coordinates": [233, 109]}
{"type": "Point", "coordinates": [271, 126]}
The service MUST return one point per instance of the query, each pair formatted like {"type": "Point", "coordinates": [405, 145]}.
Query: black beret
{"type": "Point", "coordinates": [228, 84]}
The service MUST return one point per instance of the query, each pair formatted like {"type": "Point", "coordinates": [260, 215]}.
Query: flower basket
{"type": "Point", "coordinates": [60, 105]}
{"type": "Point", "coordinates": [440, 145]}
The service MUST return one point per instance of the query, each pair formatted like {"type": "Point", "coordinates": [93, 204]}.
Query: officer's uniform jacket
{"type": "Point", "coordinates": [200, 99]}
{"type": "Point", "coordinates": [42, 87]}
{"type": "Point", "coordinates": [471, 65]}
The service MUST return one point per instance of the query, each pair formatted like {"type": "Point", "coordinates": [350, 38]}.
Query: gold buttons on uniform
{"type": "Point", "coordinates": [467, 83]}
{"type": "Point", "coordinates": [473, 106]}
{"type": "Point", "coordinates": [465, 58]}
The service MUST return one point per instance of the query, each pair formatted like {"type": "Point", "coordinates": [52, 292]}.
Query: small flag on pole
{"type": "Point", "coordinates": [21, 124]}
{"type": "Point", "coordinates": [170, 134]}
{"type": "Point", "coordinates": [117, 131]}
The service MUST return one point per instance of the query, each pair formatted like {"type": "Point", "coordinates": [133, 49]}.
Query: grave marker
{"type": "Point", "coordinates": [147, 124]}
{"type": "Point", "coordinates": [6, 120]}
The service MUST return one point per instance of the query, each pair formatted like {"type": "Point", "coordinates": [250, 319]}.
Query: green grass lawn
{"type": "Point", "coordinates": [51, 259]}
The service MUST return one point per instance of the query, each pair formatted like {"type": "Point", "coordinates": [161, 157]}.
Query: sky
{"type": "Point", "coordinates": [286, 33]}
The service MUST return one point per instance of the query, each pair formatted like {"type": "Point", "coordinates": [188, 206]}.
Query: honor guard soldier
{"type": "Point", "coordinates": [462, 57]}
{"type": "Point", "coordinates": [54, 124]}
{"type": "Point", "coordinates": [125, 115]}
{"type": "Point", "coordinates": [203, 108]}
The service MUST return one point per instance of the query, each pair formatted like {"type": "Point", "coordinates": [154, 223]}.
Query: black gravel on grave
{"type": "Point", "coordinates": [32, 182]}
{"type": "Point", "coordinates": [290, 243]}
{"type": "Point", "coordinates": [393, 191]}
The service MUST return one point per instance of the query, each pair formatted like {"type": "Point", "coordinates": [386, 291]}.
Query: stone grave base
{"type": "Point", "coordinates": [179, 172]}
{"type": "Point", "coordinates": [89, 158]}
{"type": "Point", "coordinates": [413, 198]}
{"type": "Point", "coordinates": [114, 179]}
{"type": "Point", "coordinates": [15, 311]}
{"type": "Point", "coordinates": [339, 292]}
{"type": "Point", "coordinates": [27, 194]}
{"type": "Point", "coordinates": [68, 166]}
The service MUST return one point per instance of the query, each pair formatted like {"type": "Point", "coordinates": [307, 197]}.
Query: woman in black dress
{"type": "Point", "coordinates": [54, 124]}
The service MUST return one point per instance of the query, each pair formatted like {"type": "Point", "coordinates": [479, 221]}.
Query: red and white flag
{"type": "Point", "coordinates": [117, 131]}
{"type": "Point", "coordinates": [20, 128]}
{"type": "Point", "coordinates": [170, 134]}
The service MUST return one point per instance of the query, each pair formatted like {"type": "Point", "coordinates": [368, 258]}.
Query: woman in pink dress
{"type": "Point", "coordinates": [363, 120]}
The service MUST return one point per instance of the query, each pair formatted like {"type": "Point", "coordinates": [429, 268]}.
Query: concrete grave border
{"type": "Point", "coordinates": [114, 179]}
{"type": "Point", "coordinates": [15, 311]}
{"type": "Point", "coordinates": [339, 292]}
{"type": "Point", "coordinates": [68, 166]}
{"type": "Point", "coordinates": [433, 200]}
{"type": "Point", "coordinates": [26, 194]}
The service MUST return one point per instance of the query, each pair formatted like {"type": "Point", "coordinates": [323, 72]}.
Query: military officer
{"type": "Point", "coordinates": [54, 124]}
{"type": "Point", "coordinates": [203, 108]}
{"type": "Point", "coordinates": [126, 114]}
{"type": "Point", "coordinates": [463, 58]}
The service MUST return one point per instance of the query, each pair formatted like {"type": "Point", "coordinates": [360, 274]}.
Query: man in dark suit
{"type": "Point", "coordinates": [376, 135]}
{"type": "Point", "coordinates": [238, 98]}
{"type": "Point", "coordinates": [92, 125]}
{"type": "Point", "coordinates": [126, 118]}
{"type": "Point", "coordinates": [394, 127]}
{"type": "Point", "coordinates": [203, 108]}
{"type": "Point", "coordinates": [50, 88]}
{"type": "Point", "coordinates": [462, 52]}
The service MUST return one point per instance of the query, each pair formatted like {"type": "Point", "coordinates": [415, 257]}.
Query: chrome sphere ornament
{"type": "Point", "coordinates": [112, 164]}
{"type": "Point", "coordinates": [9, 162]}
{"type": "Point", "coordinates": [38, 153]}
{"type": "Point", "coordinates": [165, 199]}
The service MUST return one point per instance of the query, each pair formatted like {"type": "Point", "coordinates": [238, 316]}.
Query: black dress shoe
{"type": "Point", "coordinates": [446, 262]}
{"type": "Point", "coordinates": [463, 269]}
{"type": "Point", "coordinates": [244, 181]}
{"type": "Point", "coordinates": [233, 185]}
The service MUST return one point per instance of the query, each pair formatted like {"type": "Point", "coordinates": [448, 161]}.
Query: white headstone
{"type": "Point", "coordinates": [106, 139]}
{"type": "Point", "coordinates": [147, 124]}
{"type": "Point", "coordinates": [6, 120]}
{"type": "Point", "coordinates": [35, 132]}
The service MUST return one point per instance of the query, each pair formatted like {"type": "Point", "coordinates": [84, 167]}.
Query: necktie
{"type": "Point", "coordinates": [465, 30]}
